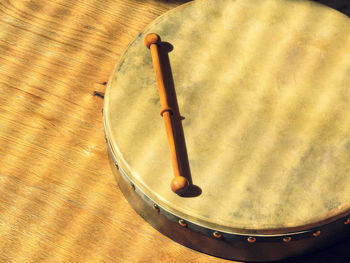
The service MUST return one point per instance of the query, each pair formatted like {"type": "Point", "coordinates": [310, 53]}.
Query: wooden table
{"type": "Point", "coordinates": [59, 201]}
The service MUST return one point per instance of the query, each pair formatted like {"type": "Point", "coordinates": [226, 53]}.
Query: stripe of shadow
{"type": "Point", "coordinates": [248, 64]}
{"type": "Point", "coordinates": [48, 22]}
{"type": "Point", "coordinates": [195, 190]}
{"type": "Point", "coordinates": [285, 152]}
{"type": "Point", "coordinates": [19, 70]}
{"type": "Point", "coordinates": [194, 94]}
{"type": "Point", "coordinates": [213, 34]}
{"type": "Point", "coordinates": [77, 241]}
{"type": "Point", "coordinates": [54, 217]}
{"type": "Point", "coordinates": [86, 123]}
{"type": "Point", "coordinates": [92, 230]}
{"type": "Point", "coordinates": [4, 193]}
{"type": "Point", "coordinates": [280, 154]}
{"type": "Point", "coordinates": [80, 161]}
{"type": "Point", "coordinates": [7, 38]}
{"type": "Point", "coordinates": [78, 181]}
{"type": "Point", "coordinates": [32, 157]}
{"type": "Point", "coordinates": [81, 70]}
{"type": "Point", "coordinates": [247, 31]}
{"type": "Point", "coordinates": [286, 191]}
{"type": "Point", "coordinates": [143, 237]}
{"type": "Point", "coordinates": [164, 49]}
{"type": "Point", "coordinates": [71, 41]}
{"type": "Point", "coordinates": [27, 17]}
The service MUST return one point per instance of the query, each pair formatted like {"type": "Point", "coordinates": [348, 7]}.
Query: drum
{"type": "Point", "coordinates": [261, 92]}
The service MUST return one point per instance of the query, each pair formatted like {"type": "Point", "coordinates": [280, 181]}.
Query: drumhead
{"type": "Point", "coordinates": [264, 89]}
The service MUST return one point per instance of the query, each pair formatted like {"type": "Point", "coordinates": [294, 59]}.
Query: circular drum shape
{"type": "Point", "coordinates": [264, 90]}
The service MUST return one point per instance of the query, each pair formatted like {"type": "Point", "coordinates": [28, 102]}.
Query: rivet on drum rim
{"type": "Point", "coordinates": [116, 165]}
{"type": "Point", "coordinates": [251, 239]}
{"type": "Point", "coordinates": [347, 221]}
{"type": "Point", "coordinates": [156, 208]}
{"type": "Point", "coordinates": [317, 233]}
{"type": "Point", "coordinates": [217, 234]}
{"type": "Point", "coordinates": [132, 186]}
{"type": "Point", "coordinates": [287, 239]}
{"type": "Point", "coordinates": [182, 223]}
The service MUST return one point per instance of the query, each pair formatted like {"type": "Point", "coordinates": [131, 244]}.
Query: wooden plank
{"type": "Point", "coordinates": [58, 198]}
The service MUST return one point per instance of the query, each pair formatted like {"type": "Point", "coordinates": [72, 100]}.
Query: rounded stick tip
{"type": "Point", "coordinates": [151, 38]}
{"type": "Point", "coordinates": [179, 184]}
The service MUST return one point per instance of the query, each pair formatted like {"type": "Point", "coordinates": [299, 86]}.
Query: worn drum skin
{"type": "Point", "coordinates": [263, 87]}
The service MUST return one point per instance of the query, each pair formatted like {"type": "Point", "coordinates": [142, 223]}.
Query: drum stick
{"type": "Point", "coordinates": [179, 184]}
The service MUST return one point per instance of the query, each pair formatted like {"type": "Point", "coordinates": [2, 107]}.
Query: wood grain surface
{"type": "Point", "coordinates": [59, 201]}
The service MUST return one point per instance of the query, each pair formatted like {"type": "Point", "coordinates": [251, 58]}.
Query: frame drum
{"type": "Point", "coordinates": [263, 91]}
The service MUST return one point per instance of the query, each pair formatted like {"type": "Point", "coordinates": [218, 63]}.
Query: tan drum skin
{"type": "Point", "coordinates": [264, 89]}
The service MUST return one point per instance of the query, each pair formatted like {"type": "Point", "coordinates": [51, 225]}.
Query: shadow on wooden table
{"type": "Point", "coordinates": [340, 5]}
{"type": "Point", "coordinates": [338, 253]}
